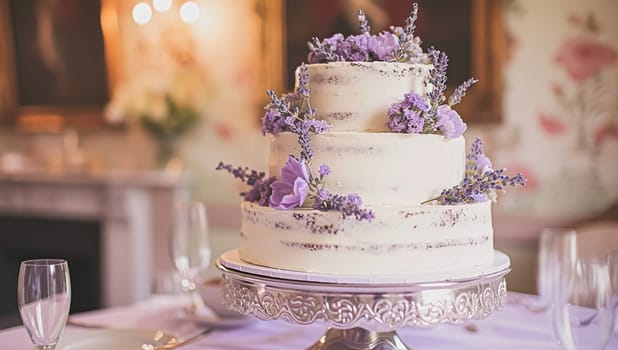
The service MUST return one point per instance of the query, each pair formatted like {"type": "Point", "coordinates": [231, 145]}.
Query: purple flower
{"type": "Point", "coordinates": [354, 48]}
{"type": "Point", "coordinates": [382, 46]}
{"type": "Point", "coordinates": [334, 42]}
{"type": "Point", "coordinates": [273, 123]}
{"type": "Point", "coordinates": [407, 116]}
{"type": "Point", "coordinates": [324, 170]}
{"type": "Point", "coordinates": [414, 100]}
{"type": "Point", "coordinates": [483, 164]}
{"type": "Point", "coordinates": [449, 122]}
{"type": "Point", "coordinates": [292, 188]}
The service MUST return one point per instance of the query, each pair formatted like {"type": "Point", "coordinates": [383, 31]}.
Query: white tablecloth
{"type": "Point", "coordinates": [514, 327]}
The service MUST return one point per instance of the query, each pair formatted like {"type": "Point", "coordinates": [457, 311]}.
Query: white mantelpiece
{"type": "Point", "coordinates": [134, 210]}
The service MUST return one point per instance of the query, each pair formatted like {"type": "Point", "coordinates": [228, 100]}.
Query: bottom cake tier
{"type": "Point", "coordinates": [422, 238]}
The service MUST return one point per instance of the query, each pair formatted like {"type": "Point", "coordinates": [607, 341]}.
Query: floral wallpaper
{"type": "Point", "coordinates": [561, 107]}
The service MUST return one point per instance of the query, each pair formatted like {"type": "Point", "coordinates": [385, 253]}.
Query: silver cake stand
{"type": "Point", "coordinates": [363, 312]}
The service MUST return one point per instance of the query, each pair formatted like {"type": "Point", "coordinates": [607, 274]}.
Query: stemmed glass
{"type": "Point", "coordinates": [190, 246]}
{"type": "Point", "coordinates": [44, 299]}
{"type": "Point", "coordinates": [557, 249]}
{"type": "Point", "coordinates": [612, 265]}
{"type": "Point", "coordinates": [582, 315]}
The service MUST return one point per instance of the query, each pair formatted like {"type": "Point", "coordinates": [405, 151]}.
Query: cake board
{"type": "Point", "coordinates": [363, 312]}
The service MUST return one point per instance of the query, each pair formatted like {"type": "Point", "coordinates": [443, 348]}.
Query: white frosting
{"type": "Point", "coordinates": [355, 96]}
{"type": "Point", "coordinates": [422, 238]}
{"type": "Point", "coordinates": [384, 168]}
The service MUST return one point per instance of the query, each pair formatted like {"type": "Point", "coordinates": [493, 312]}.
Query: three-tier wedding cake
{"type": "Point", "coordinates": [368, 166]}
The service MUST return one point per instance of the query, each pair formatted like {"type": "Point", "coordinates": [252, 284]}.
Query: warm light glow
{"type": "Point", "coordinates": [142, 13]}
{"type": "Point", "coordinates": [162, 5]}
{"type": "Point", "coordinates": [189, 12]}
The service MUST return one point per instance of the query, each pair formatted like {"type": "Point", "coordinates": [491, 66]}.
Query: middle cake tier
{"type": "Point", "coordinates": [384, 168]}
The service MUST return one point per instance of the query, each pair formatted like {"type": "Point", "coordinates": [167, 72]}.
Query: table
{"type": "Point", "coordinates": [515, 327]}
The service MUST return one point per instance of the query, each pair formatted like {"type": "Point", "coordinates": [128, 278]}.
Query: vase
{"type": "Point", "coordinates": [168, 159]}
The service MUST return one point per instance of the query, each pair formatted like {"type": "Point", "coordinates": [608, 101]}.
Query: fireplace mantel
{"type": "Point", "coordinates": [133, 208]}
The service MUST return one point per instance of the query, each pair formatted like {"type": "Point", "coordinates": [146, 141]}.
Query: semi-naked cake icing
{"type": "Point", "coordinates": [401, 240]}
{"type": "Point", "coordinates": [393, 172]}
{"type": "Point", "coordinates": [355, 96]}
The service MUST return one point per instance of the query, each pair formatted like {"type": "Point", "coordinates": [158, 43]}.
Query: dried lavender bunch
{"type": "Point", "coordinates": [480, 183]}
{"type": "Point", "coordinates": [293, 113]}
{"type": "Point", "coordinates": [460, 91]}
{"type": "Point", "coordinates": [260, 190]}
{"type": "Point", "coordinates": [348, 205]}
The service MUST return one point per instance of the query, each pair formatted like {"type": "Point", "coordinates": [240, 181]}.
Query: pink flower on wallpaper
{"type": "Point", "coordinates": [583, 57]}
{"type": "Point", "coordinates": [224, 132]}
{"type": "Point", "coordinates": [532, 182]}
{"type": "Point", "coordinates": [575, 19]}
{"type": "Point", "coordinates": [551, 125]}
{"type": "Point", "coordinates": [606, 131]}
{"type": "Point", "coordinates": [557, 89]}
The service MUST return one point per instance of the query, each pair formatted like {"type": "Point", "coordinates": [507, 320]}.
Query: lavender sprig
{"type": "Point", "coordinates": [347, 205]}
{"type": "Point", "coordinates": [481, 181]}
{"type": "Point", "coordinates": [460, 91]}
{"type": "Point", "coordinates": [260, 190]}
{"type": "Point", "coordinates": [480, 188]}
{"type": "Point", "coordinates": [364, 24]}
{"type": "Point", "coordinates": [437, 79]}
{"type": "Point", "coordinates": [293, 113]}
{"type": "Point", "coordinates": [406, 38]}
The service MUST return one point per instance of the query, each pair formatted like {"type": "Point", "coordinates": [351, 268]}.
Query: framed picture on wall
{"type": "Point", "coordinates": [57, 62]}
{"type": "Point", "coordinates": [470, 31]}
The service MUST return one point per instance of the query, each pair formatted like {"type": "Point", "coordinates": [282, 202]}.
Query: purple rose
{"type": "Point", "coordinates": [383, 45]}
{"type": "Point", "coordinates": [291, 189]}
{"type": "Point", "coordinates": [449, 122]}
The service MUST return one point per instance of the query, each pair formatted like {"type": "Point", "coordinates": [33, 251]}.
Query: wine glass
{"type": "Point", "coordinates": [612, 265]}
{"type": "Point", "coordinates": [44, 298]}
{"type": "Point", "coordinates": [190, 246]}
{"type": "Point", "coordinates": [556, 246]}
{"type": "Point", "coordinates": [583, 316]}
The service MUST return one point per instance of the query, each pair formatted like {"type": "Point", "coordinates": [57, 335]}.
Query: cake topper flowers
{"type": "Point", "coordinates": [481, 181]}
{"type": "Point", "coordinates": [414, 115]}
{"type": "Point", "coordinates": [397, 45]}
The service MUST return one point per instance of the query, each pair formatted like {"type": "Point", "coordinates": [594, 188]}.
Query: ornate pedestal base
{"type": "Point", "coordinates": [364, 316]}
{"type": "Point", "coordinates": [358, 338]}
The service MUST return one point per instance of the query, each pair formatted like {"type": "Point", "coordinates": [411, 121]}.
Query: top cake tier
{"type": "Point", "coordinates": [355, 96]}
